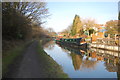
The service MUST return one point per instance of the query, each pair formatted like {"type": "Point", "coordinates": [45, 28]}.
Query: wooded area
{"type": "Point", "coordinates": [22, 21]}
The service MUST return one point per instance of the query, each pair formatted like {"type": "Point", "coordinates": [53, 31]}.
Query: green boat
{"type": "Point", "coordinates": [72, 41]}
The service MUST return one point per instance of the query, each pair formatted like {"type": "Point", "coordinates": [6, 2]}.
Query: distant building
{"type": "Point", "coordinates": [63, 35]}
{"type": "Point", "coordinates": [100, 32]}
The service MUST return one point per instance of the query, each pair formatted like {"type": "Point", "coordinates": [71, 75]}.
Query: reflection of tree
{"type": "Point", "coordinates": [77, 60]}
{"type": "Point", "coordinates": [88, 64]}
{"type": "Point", "coordinates": [49, 45]}
{"type": "Point", "coordinates": [112, 65]}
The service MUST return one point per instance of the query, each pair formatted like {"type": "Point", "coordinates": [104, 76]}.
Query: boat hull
{"type": "Point", "coordinates": [81, 46]}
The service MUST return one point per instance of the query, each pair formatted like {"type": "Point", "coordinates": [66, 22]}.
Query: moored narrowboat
{"type": "Point", "coordinates": [72, 41]}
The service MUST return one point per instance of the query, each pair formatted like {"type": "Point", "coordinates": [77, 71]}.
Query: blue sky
{"type": "Point", "coordinates": [62, 13]}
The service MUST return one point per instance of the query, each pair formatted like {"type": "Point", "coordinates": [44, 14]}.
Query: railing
{"type": "Point", "coordinates": [111, 42]}
{"type": "Point", "coordinates": [107, 44]}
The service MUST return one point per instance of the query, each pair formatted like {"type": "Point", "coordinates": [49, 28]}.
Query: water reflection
{"type": "Point", "coordinates": [89, 64]}
{"type": "Point", "coordinates": [49, 45]}
{"type": "Point", "coordinates": [89, 59]}
{"type": "Point", "coordinates": [76, 60]}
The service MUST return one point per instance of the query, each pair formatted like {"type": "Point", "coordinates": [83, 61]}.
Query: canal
{"type": "Point", "coordinates": [84, 63]}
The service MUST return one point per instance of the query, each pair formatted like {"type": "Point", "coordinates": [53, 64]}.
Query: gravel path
{"type": "Point", "coordinates": [29, 65]}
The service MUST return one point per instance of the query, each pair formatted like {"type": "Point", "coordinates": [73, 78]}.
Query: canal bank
{"type": "Point", "coordinates": [53, 69]}
{"type": "Point", "coordinates": [35, 63]}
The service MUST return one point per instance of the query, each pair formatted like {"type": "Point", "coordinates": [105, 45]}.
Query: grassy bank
{"type": "Point", "coordinates": [53, 69]}
{"type": "Point", "coordinates": [11, 55]}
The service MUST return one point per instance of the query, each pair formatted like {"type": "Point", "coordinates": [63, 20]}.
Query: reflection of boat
{"type": "Point", "coordinates": [74, 49]}
{"type": "Point", "coordinates": [73, 42]}
{"type": "Point", "coordinates": [76, 54]}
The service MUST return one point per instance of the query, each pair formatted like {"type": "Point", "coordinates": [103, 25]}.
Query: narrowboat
{"type": "Point", "coordinates": [72, 42]}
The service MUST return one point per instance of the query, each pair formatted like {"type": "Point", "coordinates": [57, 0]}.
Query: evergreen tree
{"type": "Point", "coordinates": [77, 26]}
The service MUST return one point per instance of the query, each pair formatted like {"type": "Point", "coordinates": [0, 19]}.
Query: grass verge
{"type": "Point", "coordinates": [11, 55]}
{"type": "Point", "coordinates": [53, 69]}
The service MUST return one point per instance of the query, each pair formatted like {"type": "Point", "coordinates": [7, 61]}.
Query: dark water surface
{"type": "Point", "coordinates": [84, 63]}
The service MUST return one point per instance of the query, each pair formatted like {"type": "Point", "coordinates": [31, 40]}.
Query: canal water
{"type": "Point", "coordinates": [84, 63]}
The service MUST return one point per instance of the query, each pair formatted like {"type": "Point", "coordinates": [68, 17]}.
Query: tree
{"type": "Point", "coordinates": [91, 31]}
{"type": "Point", "coordinates": [68, 29]}
{"type": "Point", "coordinates": [51, 32]}
{"type": "Point", "coordinates": [119, 16]}
{"type": "Point", "coordinates": [112, 27]}
{"type": "Point", "coordinates": [17, 18]}
{"type": "Point", "coordinates": [32, 10]}
{"type": "Point", "coordinates": [14, 25]}
{"type": "Point", "coordinates": [88, 25]}
{"type": "Point", "coordinates": [77, 26]}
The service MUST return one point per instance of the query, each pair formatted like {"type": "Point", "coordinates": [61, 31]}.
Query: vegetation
{"type": "Point", "coordinates": [77, 26]}
{"type": "Point", "coordinates": [52, 32]}
{"type": "Point", "coordinates": [87, 27]}
{"type": "Point", "coordinates": [91, 31]}
{"type": "Point", "coordinates": [19, 16]}
{"type": "Point", "coordinates": [119, 16]}
{"type": "Point", "coordinates": [11, 55]}
{"type": "Point", "coordinates": [21, 21]}
{"type": "Point", "coordinates": [112, 27]}
{"type": "Point", "coordinates": [81, 26]}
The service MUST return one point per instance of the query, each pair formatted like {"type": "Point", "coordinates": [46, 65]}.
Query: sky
{"type": "Point", "coordinates": [63, 13]}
